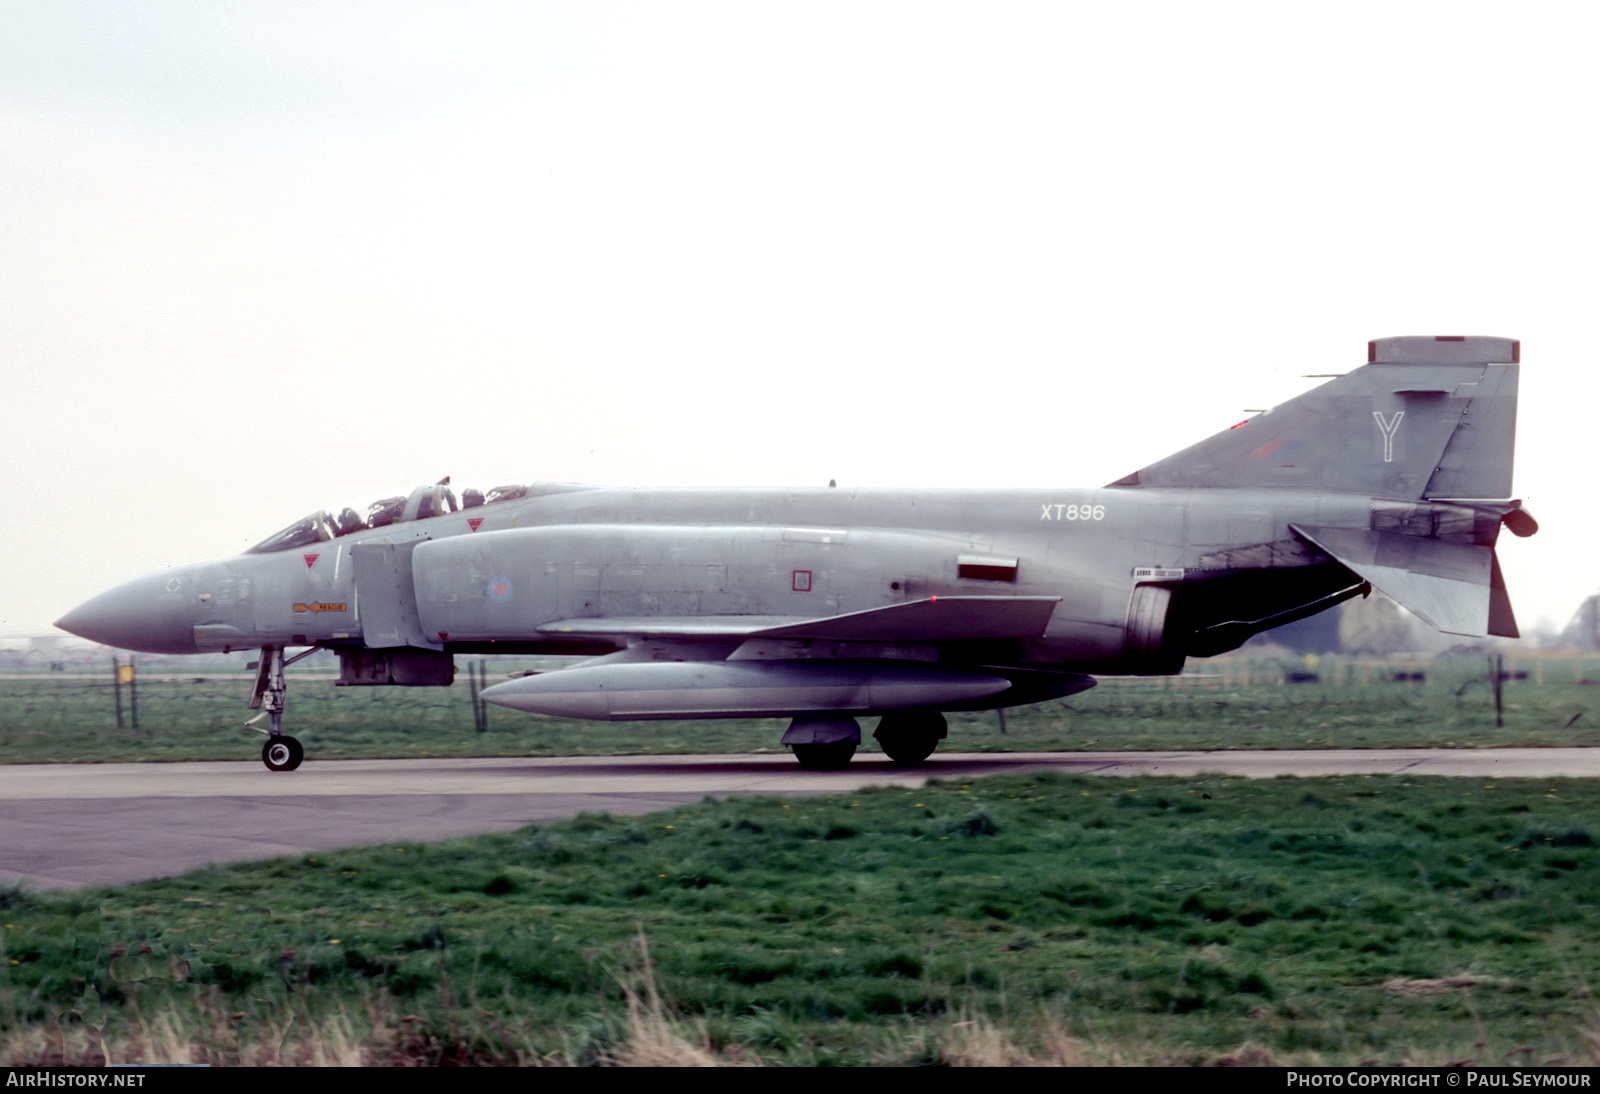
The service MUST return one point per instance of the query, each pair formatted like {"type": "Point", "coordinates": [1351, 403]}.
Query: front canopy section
{"type": "Point", "coordinates": [423, 503]}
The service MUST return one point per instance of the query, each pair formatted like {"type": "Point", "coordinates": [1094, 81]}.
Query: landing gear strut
{"type": "Point", "coordinates": [909, 736]}
{"type": "Point", "coordinates": [281, 752]}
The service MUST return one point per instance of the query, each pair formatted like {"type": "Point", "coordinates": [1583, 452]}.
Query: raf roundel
{"type": "Point", "coordinates": [500, 590]}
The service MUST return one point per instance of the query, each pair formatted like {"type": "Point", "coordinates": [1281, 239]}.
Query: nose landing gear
{"type": "Point", "coordinates": [281, 751]}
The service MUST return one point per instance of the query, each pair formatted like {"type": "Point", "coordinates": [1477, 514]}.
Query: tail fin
{"type": "Point", "coordinates": [1426, 431]}
{"type": "Point", "coordinates": [1424, 418]}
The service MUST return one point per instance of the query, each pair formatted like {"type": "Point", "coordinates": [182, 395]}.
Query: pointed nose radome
{"type": "Point", "coordinates": [151, 614]}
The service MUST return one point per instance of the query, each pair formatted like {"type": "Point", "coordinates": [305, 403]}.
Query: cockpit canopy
{"type": "Point", "coordinates": [423, 503]}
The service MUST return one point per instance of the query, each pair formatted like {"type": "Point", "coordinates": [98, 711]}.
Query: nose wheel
{"type": "Point", "coordinates": [282, 753]}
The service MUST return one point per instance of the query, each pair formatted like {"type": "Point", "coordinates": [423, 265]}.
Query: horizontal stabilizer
{"type": "Point", "coordinates": [1447, 585]}
{"type": "Point", "coordinates": [935, 619]}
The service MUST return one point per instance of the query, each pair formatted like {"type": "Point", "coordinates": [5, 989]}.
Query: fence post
{"type": "Point", "coordinates": [479, 675]}
{"type": "Point", "coordinates": [116, 686]}
{"type": "Point", "coordinates": [133, 692]}
{"type": "Point", "coordinates": [1497, 676]}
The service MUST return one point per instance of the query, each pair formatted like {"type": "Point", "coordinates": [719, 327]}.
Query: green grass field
{"type": "Point", "coordinates": [1049, 919]}
{"type": "Point", "coordinates": [1226, 703]}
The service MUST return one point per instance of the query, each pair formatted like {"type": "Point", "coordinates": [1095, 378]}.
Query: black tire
{"type": "Point", "coordinates": [909, 737]}
{"type": "Point", "coordinates": [829, 757]}
{"type": "Point", "coordinates": [907, 751]}
{"type": "Point", "coordinates": [282, 753]}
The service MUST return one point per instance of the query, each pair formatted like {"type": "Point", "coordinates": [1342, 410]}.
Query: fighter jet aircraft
{"type": "Point", "coordinates": [824, 605]}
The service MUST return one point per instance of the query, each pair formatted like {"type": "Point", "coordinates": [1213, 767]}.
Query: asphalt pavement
{"type": "Point", "coordinates": [78, 825]}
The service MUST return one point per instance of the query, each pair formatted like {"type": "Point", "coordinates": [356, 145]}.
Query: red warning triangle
{"type": "Point", "coordinates": [473, 522]}
{"type": "Point", "coordinates": [311, 560]}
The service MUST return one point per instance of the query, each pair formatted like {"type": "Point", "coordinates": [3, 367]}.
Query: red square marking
{"type": "Point", "coordinates": [802, 581]}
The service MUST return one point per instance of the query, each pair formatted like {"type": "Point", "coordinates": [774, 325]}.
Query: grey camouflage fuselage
{"type": "Point", "coordinates": [701, 602]}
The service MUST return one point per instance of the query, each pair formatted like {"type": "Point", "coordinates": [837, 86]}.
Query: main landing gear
{"type": "Point", "coordinates": [281, 752]}
{"type": "Point", "coordinates": [829, 757]}
{"type": "Point", "coordinates": [823, 744]}
{"type": "Point", "coordinates": [907, 737]}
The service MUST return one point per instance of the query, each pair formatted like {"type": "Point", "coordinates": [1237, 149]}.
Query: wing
{"type": "Point", "coordinates": [936, 619]}
{"type": "Point", "coordinates": [684, 667]}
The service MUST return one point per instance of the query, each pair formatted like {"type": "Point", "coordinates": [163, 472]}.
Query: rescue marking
{"type": "Point", "coordinates": [311, 560]}
{"type": "Point", "coordinates": [473, 522]}
{"type": "Point", "coordinates": [801, 581]}
{"type": "Point", "coordinates": [1064, 511]}
{"type": "Point", "coordinates": [322, 606]}
{"type": "Point", "coordinates": [1388, 429]}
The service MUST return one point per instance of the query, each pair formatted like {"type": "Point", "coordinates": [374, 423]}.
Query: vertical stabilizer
{"type": "Point", "coordinates": [1425, 417]}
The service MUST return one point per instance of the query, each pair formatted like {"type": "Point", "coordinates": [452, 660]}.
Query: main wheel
{"type": "Point", "coordinates": [910, 736]}
{"type": "Point", "coordinates": [282, 753]}
{"type": "Point", "coordinates": [828, 757]}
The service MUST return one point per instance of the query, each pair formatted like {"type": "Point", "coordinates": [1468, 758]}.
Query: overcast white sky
{"type": "Point", "coordinates": [256, 258]}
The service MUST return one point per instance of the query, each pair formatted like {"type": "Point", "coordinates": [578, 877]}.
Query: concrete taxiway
{"type": "Point", "coordinates": [76, 825]}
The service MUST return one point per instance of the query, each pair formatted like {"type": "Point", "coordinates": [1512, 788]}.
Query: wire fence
{"type": "Point", "coordinates": [146, 702]}
{"type": "Point", "coordinates": [127, 692]}
{"type": "Point", "coordinates": [1221, 702]}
